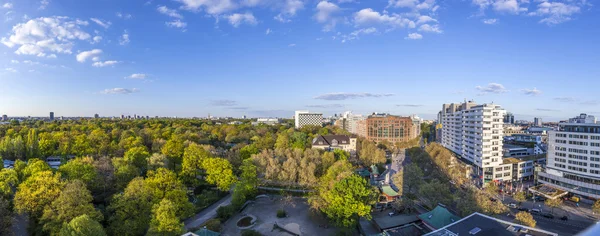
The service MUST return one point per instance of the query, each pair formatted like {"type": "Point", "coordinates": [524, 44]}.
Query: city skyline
{"type": "Point", "coordinates": [269, 58]}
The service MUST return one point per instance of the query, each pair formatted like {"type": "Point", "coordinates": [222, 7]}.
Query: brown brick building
{"type": "Point", "coordinates": [394, 129]}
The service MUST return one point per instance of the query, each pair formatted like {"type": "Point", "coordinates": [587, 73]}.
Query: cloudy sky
{"type": "Point", "coordinates": [271, 57]}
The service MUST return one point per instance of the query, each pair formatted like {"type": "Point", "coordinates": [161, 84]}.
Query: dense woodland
{"type": "Point", "coordinates": [143, 177]}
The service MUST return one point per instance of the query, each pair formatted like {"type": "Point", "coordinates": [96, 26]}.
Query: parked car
{"type": "Point", "coordinates": [565, 218]}
{"type": "Point", "coordinates": [535, 211]}
{"type": "Point", "coordinates": [574, 199]}
{"type": "Point", "coordinates": [523, 209]}
{"type": "Point", "coordinates": [548, 215]}
{"type": "Point", "coordinates": [512, 205]}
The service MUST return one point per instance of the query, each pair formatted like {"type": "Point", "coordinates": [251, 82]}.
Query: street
{"type": "Point", "coordinates": [399, 159]}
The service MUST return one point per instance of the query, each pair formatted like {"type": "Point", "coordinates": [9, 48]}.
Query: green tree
{"type": "Point", "coordinates": [413, 176]}
{"type": "Point", "coordinates": [33, 150]}
{"type": "Point", "coordinates": [283, 141]}
{"type": "Point", "coordinates": [174, 149]}
{"type": "Point", "coordinates": [37, 192]}
{"type": "Point", "coordinates": [350, 199]}
{"type": "Point", "coordinates": [525, 218]}
{"type": "Point", "coordinates": [82, 225]}
{"type": "Point", "coordinates": [34, 166]}
{"type": "Point", "coordinates": [370, 154]}
{"type": "Point", "coordinates": [157, 160]}
{"type": "Point", "coordinates": [80, 169]}
{"type": "Point", "coordinates": [73, 201]}
{"type": "Point", "coordinates": [131, 210]}
{"type": "Point", "coordinates": [124, 172]}
{"type": "Point", "coordinates": [8, 181]}
{"type": "Point", "coordinates": [163, 183]}
{"type": "Point", "coordinates": [246, 187]}
{"type": "Point", "coordinates": [193, 158]}
{"type": "Point", "coordinates": [247, 151]}
{"type": "Point", "coordinates": [164, 220]}
{"type": "Point", "coordinates": [553, 203]}
{"type": "Point", "coordinates": [520, 197]}
{"type": "Point", "coordinates": [435, 192]}
{"type": "Point", "coordinates": [219, 172]}
{"type": "Point", "coordinates": [341, 154]}
{"type": "Point", "coordinates": [137, 156]}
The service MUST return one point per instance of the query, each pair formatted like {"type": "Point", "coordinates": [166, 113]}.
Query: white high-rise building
{"type": "Point", "coordinates": [303, 118]}
{"type": "Point", "coordinates": [574, 157]}
{"type": "Point", "coordinates": [537, 122]}
{"type": "Point", "coordinates": [350, 121]}
{"type": "Point", "coordinates": [475, 132]}
{"type": "Point", "coordinates": [583, 118]}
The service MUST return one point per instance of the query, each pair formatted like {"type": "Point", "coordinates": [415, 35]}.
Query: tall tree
{"type": "Point", "coordinates": [8, 181]}
{"type": "Point", "coordinates": [350, 199]}
{"type": "Point", "coordinates": [74, 200]}
{"type": "Point", "coordinates": [219, 172]}
{"type": "Point", "coordinates": [33, 150]}
{"type": "Point", "coordinates": [82, 225]}
{"type": "Point", "coordinates": [553, 203]}
{"type": "Point", "coordinates": [163, 183]}
{"type": "Point", "coordinates": [37, 192]}
{"type": "Point", "coordinates": [174, 149]}
{"type": "Point", "coordinates": [33, 167]}
{"type": "Point", "coordinates": [398, 180]}
{"type": "Point", "coordinates": [525, 218]}
{"type": "Point", "coordinates": [246, 188]}
{"type": "Point", "coordinates": [81, 168]}
{"type": "Point", "coordinates": [131, 210]}
{"type": "Point", "coordinates": [164, 220]}
{"type": "Point", "coordinates": [193, 158]}
{"type": "Point", "coordinates": [413, 176]}
{"type": "Point", "coordinates": [520, 197]}
{"type": "Point", "coordinates": [5, 217]}
{"type": "Point", "coordinates": [157, 160]}
{"type": "Point", "coordinates": [137, 156]}
{"type": "Point", "coordinates": [596, 207]}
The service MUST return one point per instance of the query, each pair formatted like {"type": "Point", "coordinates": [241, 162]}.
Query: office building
{"type": "Point", "coordinates": [96, 116]}
{"type": "Point", "coordinates": [304, 118]}
{"type": "Point", "coordinates": [509, 118]}
{"type": "Point", "coordinates": [51, 115]}
{"type": "Point", "coordinates": [385, 127]}
{"type": "Point", "coordinates": [474, 132]}
{"type": "Point", "coordinates": [267, 121]}
{"type": "Point", "coordinates": [537, 122]}
{"type": "Point", "coordinates": [4, 118]}
{"type": "Point", "coordinates": [583, 118]}
{"type": "Point", "coordinates": [574, 158]}
{"type": "Point", "coordinates": [349, 122]}
{"type": "Point", "coordinates": [416, 126]}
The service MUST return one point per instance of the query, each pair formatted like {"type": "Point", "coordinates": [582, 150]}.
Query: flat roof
{"type": "Point", "coordinates": [479, 224]}
{"type": "Point", "coordinates": [510, 160]}
{"type": "Point", "coordinates": [406, 230]}
{"type": "Point", "coordinates": [548, 191]}
{"type": "Point", "coordinates": [511, 146]}
{"type": "Point", "coordinates": [384, 221]}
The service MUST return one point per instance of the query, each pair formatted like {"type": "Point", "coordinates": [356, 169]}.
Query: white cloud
{"type": "Point", "coordinates": [44, 4]}
{"type": "Point", "coordinates": [492, 88]}
{"type": "Point", "coordinates": [83, 56]}
{"type": "Point", "coordinates": [325, 14]}
{"type": "Point", "coordinates": [14, 61]}
{"type": "Point", "coordinates": [104, 63]}
{"type": "Point", "coordinates": [269, 31]}
{"type": "Point", "coordinates": [176, 24]}
{"type": "Point", "coordinates": [137, 76]}
{"type": "Point", "coordinates": [369, 17]}
{"type": "Point", "coordinates": [119, 91]}
{"type": "Point", "coordinates": [124, 16]}
{"type": "Point", "coordinates": [555, 12]}
{"type": "Point", "coordinates": [430, 28]}
{"type": "Point", "coordinates": [7, 5]}
{"type": "Point", "coordinates": [414, 36]}
{"type": "Point", "coordinates": [51, 56]}
{"type": "Point", "coordinates": [102, 23]}
{"type": "Point", "coordinates": [565, 99]}
{"type": "Point", "coordinates": [531, 92]}
{"type": "Point", "coordinates": [345, 96]}
{"type": "Point", "coordinates": [237, 19]}
{"type": "Point", "coordinates": [490, 21]}
{"type": "Point", "coordinates": [425, 19]}
{"type": "Point", "coordinates": [124, 40]}
{"type": "Point", "coordinates": [415, 5]}
{"type": "Point", "coordinates": [96, 39]}
{"type": "Point", "coordinates": [510, 6]}
{"type": "Point", "coordinates": [44, 35]}
{"type": "Point", "coordinates": [169, 12]}
{"type": "Point", "coordinates": [291, 45]}
{"type": "Point", "coordinates": [12, 70]}
{"type": "Point", "coordinates": [288, 9]}
{"type": "Point", "coordinates": [213, 7]}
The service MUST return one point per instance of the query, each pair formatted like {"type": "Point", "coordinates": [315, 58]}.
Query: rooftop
{"type": "Point", "coordinates": [406, 230]}
{"type": "Point", "coordinates": [548, 191]}
{"type": "Point", "coordinates": [512, 146]}
{"type": "Point", "coordinates": [479, 224]}
{"type": "Point", "coordinates": [510, 160]}
{"type": "Point", "coordinates": [387, 190]}
{"type": "Point", "coordinates": [384, 221]}
{"type": "Point", "coordinates": [438, 217]}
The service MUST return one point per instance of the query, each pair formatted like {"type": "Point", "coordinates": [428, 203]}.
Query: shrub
{"type": "Point", "coordinates": [214, 225]}
{"type": "Point", "coordinates": [281, 213]}
{"type": "Point", "coordinates": [225, 212]}
{"type": "Point", "coordinates": [251, 233]}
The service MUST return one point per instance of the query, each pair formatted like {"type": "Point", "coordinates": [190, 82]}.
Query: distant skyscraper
{"type": "Point", "coordinates": [96, 116]}
{"type": "Point", "coordinates": [583, 118]}
{"type": "Point", "coordinates": [509, 118]}
{"type": "Point", "coordinates": [537, 122]}
{"type": "Point", "coordinates": [4, 117]}
{"type": "Point", "coordinates": [51, 115]}
{"type": "Point", "coordinates": [122, 117]}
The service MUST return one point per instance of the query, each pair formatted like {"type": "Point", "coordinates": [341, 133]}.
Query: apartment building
{"type": "Point", "coordinates": [574, 158]}
{"type": "Point", "coordinates": [474, 132]}
{"type": "Point", "coordinates": [350, 122]}
{"type": "Point", "coordinates": [416, 126]}
{"type": "Point", "coordinates": [381, 126]}
{"type": "Point", "coordinates": [304, 118]}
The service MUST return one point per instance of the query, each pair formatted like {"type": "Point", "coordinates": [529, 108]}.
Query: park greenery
{"type": "Point", "coordinates": [144, 177]}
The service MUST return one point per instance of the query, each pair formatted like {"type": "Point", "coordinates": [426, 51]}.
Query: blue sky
{"type": "Point", "coordinates": [271, 57]}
